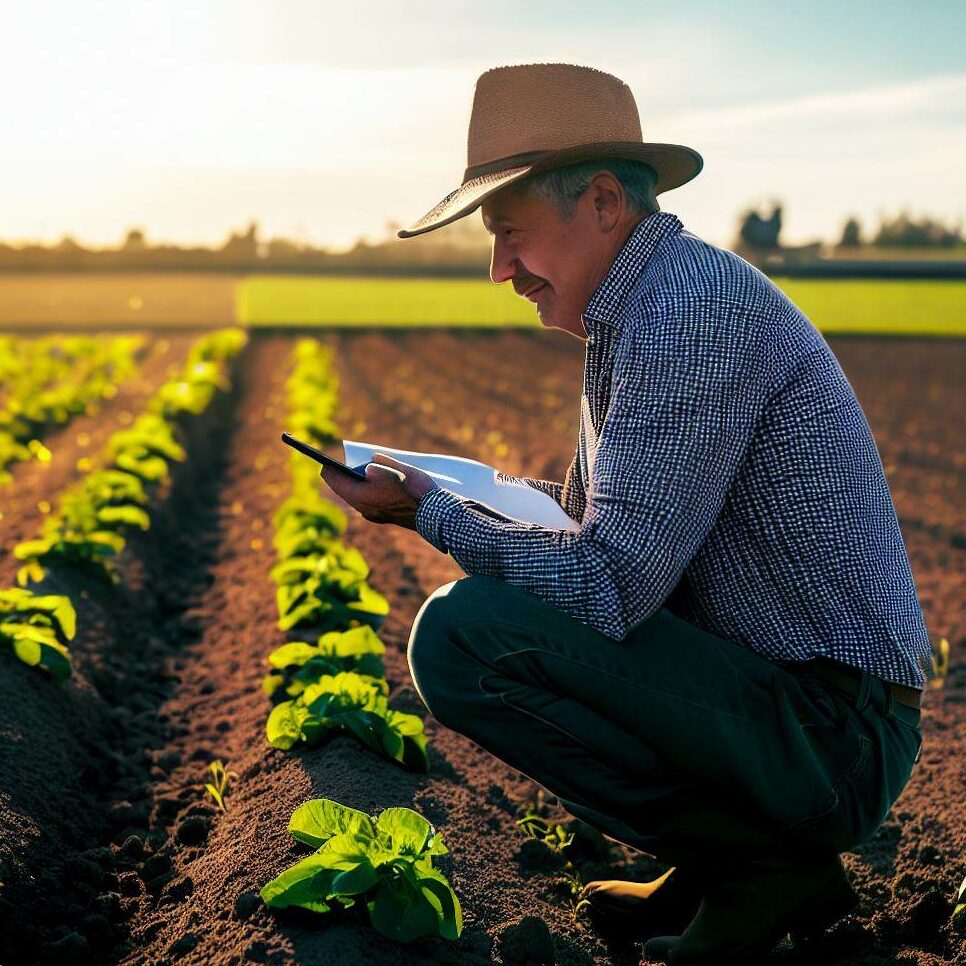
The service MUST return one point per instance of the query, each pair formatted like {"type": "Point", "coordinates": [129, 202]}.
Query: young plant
{"type": "Point", "coordinates": [940, 665]}
{"type": "Point", "coordinates": [297, 665]}
{"type": "Point", "coordinates": [959, 910]}
{"type": "Point", "coordinates": [556, 838]}
{"type": "Point", "coordinates": [347, 702]}
{"type": "Point", "coordinates": [385, 864]}
{"type": "Point", "coordinates": [326, 590]}
{"type": "Point", "coordinates": [37, 628]}
{"type": "Point", "coordinates": [217, 788]}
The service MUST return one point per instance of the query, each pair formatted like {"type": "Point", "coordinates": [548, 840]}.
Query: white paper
{"type": "Point", "coordinates": [474, 480]}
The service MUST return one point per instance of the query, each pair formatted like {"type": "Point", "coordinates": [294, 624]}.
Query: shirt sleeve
{"type": "Point", "coordinates": [687, 392]}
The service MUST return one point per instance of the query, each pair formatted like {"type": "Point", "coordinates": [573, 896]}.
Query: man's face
{"type": "Point", "coordinates": [533, 246]}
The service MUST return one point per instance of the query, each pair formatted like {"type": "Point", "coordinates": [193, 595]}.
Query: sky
{"type": "Point", "coordinates": [324, 121]}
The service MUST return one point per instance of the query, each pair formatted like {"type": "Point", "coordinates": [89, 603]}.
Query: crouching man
{"type": "Point", "coordinates": [723, 666]}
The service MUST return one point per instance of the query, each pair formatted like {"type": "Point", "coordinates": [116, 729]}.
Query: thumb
{"type": "Point", "coordinates": [389, 462]}
{"type": "Point", "coordinates": [376, 470]}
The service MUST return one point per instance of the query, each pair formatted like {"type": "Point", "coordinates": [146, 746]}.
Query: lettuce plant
{"type": "Point", "coordinates": [347, 702]}
{"type": "Point", "coordinates": [384, 863]}
{"type": "Point", "coordinates": [37, 628]}
{"type": "Point", "coordinates": [327, 591]}
{"type": "Point", "coordinates": [306, 522]}
{"type": "Point", "coordinates": [298, 664]}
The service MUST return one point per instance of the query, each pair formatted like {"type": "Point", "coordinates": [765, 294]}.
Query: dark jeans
{"type": "Point", "coordinates": [676, 742]}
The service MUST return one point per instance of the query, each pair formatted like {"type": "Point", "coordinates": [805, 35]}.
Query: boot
{"type": "Point", "coordinates": [746, 912]}
{"type": "Point", "coordinates": [644, 909]}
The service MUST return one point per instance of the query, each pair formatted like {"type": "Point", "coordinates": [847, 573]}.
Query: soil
{"type": "Point", "coordinates": [110, 852]}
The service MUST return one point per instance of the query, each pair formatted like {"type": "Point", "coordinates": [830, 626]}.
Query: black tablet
{"type": "Point", "coordinates": [356, 472]}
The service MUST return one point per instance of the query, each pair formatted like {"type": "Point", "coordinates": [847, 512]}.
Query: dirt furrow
{"type": "Point", "coordinates": [76, 768]}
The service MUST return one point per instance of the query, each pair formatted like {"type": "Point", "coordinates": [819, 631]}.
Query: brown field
{"type": "Point", "coordinates": [92, 300]}
{"type": "Point", "coordinates": [110, 853]}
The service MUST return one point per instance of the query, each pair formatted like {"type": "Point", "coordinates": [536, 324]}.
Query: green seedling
{"type": "Point", "coordinates": [217, 788]}
{"type": "Point", "coordinates": [37, 628]}
{"type": "Point", "coordinates": [384, 864]}
{"type": "Point", "coordinates": [347, 703]}
{"type": "Point", "coordinates": [940, 665]}
{"type": "Point", "coordinates": [297, 665]}
{"type": "Point", "coordinates": [330, 598]}
{"type": "Point", "coordinates": [959, 910]}
{"type": "Point", "coordinates": [556, 838]}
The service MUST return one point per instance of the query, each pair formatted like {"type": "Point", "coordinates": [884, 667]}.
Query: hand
{"type": "Point", "coordinates": [390, 494]}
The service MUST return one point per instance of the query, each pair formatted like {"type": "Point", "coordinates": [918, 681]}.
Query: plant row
{"type": "Point", "coordinates": [331, 680]}
{"type": "Point", "coordinates": [46, 382]}
{"type": "Point", "coordinates": [94, 516]}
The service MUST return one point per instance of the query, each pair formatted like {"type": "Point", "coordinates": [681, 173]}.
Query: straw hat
{"type": "Point", "coordinates": [530, 117]}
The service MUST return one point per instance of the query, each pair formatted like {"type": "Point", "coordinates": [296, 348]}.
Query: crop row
{"type": "Point", "coordinates": [45, 382]}
{"type": "Point", "coordinates": [89, 528]}
{"type": "Point", "coordinates": [330, 680]}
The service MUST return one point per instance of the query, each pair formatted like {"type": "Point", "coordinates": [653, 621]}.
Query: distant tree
{"type": "Point", "coordinates": [68, 245]}
{"type": "Point", "coordinates": [851, 234]}
{"type": "Point", "coordinates": [760, 233]}
{"type": "Point", "coordinates": [241, 247]}
{"type": "Point", "coordinates": [905, 232]}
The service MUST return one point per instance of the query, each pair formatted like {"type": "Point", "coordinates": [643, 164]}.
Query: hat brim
{"type": "Point", "coordinates": [675, 165]}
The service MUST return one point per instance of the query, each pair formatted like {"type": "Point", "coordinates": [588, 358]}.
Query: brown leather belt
{"type": "Point", "coordinates": [847, 679]}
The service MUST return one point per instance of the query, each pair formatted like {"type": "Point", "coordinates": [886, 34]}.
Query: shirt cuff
{"type": "Point", "coordinates": [431, 512]}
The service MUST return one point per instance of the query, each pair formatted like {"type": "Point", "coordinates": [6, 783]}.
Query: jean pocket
{"type": "Point", "coordinates": [846, 817]}
{"type": "Point", "coordinates": [910, 733]}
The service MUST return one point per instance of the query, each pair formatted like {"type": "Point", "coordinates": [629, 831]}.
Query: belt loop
{"type": "Point", "coordinates": [890, 702]}
{"type": "Point", "coordinates": [865, 688]}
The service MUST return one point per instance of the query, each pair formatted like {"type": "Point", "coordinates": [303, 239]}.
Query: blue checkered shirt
{"type": "Point", "coordinates": [724, 470]}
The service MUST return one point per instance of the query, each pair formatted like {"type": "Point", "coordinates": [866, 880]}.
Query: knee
{"type": "Point", "coordinates": [437, 666]}
{"type": "Point", "coordinates": [430, 627]}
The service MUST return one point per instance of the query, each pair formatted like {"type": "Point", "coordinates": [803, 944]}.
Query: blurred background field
{"type": "Point", "coordinates": [921, 307]}
{"type": "Point", "coordinates": [889, 307]}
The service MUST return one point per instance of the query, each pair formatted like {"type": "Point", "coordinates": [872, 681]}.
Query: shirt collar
{"type": "Point", "coordinates": [608, 300]}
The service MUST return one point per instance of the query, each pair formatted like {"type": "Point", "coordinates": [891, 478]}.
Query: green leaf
{"type": "Point", "coordinates": [284, 726]}
{"type": "Point", "coordinates": [305, 884]}
{"type": "Point", "coordinates": [318, 820]}
{"type": "Point", "coordinates": [293, 653]}
{"type": "Point", "coordinates": [408, 831]}
{"type": "Point", "coordinates": [438, 891]}
{"type": "Point", "coordinates": [355, 642]}
{"type": "Point", "coordinates": [401, 910]}
{"type": "Point", "coordinates": [133, 516]}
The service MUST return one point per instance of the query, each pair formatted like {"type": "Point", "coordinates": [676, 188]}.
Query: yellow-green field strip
{"type": "Point", "coordinates": [868, 306]}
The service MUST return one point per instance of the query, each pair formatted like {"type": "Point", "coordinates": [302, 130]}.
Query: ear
{"type": "Point", "coordinates": [609, 200]}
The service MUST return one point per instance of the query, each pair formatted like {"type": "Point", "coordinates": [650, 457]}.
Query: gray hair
{"type": "Point", "coordinates": [563, 186]}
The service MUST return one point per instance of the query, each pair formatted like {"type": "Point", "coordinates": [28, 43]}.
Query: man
{"type": "Point", "coordinates": [723, 666]}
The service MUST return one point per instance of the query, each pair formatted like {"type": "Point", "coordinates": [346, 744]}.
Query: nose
{"type": "Point", "coordinates": [502, 266]}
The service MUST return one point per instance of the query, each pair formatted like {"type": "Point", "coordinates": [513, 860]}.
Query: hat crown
{"type": "Point", "coordinates": [547, 107]}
